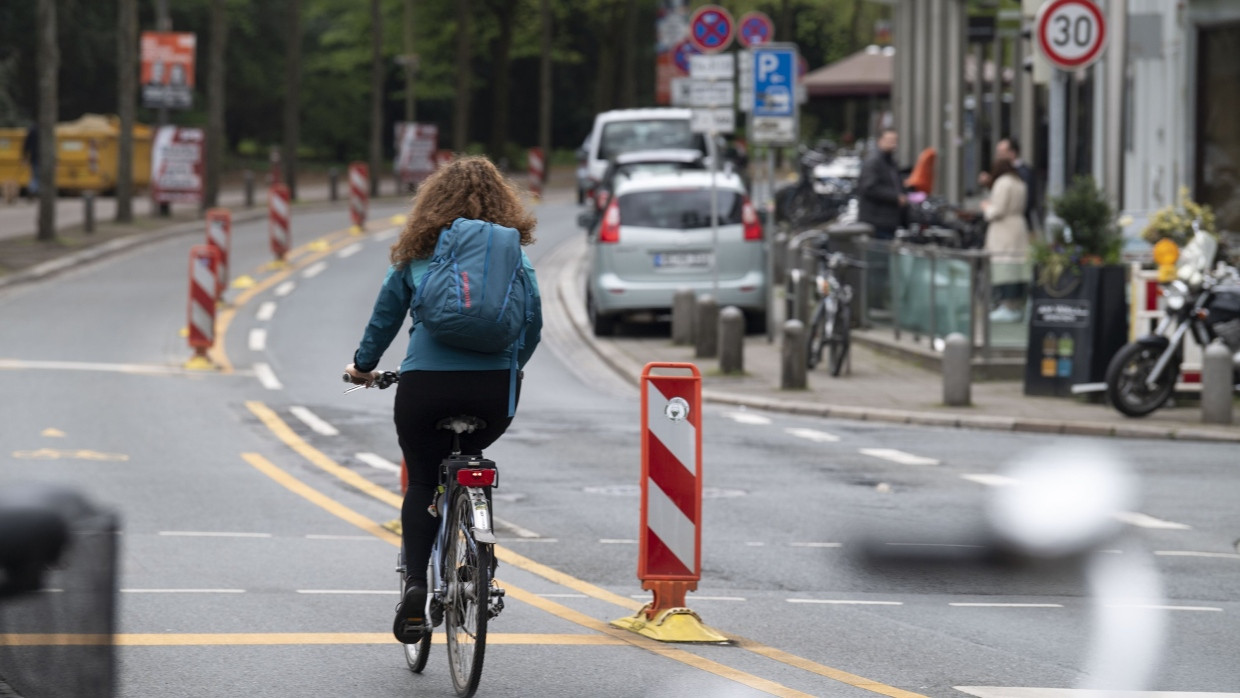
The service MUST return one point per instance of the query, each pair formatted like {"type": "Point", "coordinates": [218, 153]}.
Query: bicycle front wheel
{"type": "Point", "coordinates": [839, 340]}
{"type": "Point", "coordinates": [816, 339]}
{"type": "Point", "coordinates": [467, 599]}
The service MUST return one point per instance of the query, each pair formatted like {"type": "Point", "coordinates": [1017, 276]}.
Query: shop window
{"type": "Point", "coordinates": [1218, 123]}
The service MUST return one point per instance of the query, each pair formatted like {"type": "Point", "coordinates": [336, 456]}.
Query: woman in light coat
{"type": "Point", "coordinates": [1007, 241]}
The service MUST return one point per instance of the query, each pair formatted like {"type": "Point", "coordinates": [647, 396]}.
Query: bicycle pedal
{"type": "Point", "coordinates": [497, 591]}
{"type": "Point", "coordinates": [495, 607]}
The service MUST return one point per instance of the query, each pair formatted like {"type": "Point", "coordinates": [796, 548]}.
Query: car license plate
{"type": "Point", "coordinates": [684, 260]}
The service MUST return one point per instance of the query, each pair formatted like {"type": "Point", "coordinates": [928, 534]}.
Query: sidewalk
{"type": "Point", "coordinates": [879, 388]}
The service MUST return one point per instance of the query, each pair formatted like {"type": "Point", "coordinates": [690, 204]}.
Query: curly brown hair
{"type": "Point", "coordinates": [468, 187]}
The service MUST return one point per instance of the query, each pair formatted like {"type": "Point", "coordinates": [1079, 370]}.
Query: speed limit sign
{"type": "Point", "coordinates": [1071, 33]}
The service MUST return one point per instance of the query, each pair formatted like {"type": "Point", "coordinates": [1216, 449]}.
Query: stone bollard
{"type": "Point", "coordinates": [779, 262]}
{"type": "Point", "coordinates": [792, 357]}
{"type": "Point", "coordinates": [249, 188]}
{"type": "Point", "coordinates": [706, 328]}
{"type": "Point", "coordinates": [731, 340]}
{"type": "Point", "coordinates": [1217, 384]}
{"type": "Point", "coordinates": [88, 212]}
{"type": "Point", "coordinates": [333, 184]}
{"type": "Point", "coordinates": [957, 373]}
{"type": "Point", "coordinates": [683, 305]}
{"type": "Point", "coordinates": [809, 262]}
{"type": "Point", "coordinates": [801, 296]}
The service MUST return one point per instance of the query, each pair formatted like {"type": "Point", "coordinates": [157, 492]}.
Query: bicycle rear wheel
{"type": "Point", "coordinates": [467, 599]}
{"type": "Point", "coordinates": [817, 337]}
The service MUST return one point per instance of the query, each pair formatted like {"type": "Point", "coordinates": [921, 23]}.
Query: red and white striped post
{"type": "Point", "coordinates": [219, 236]}
{"type": "Point", "coordinates": [278, 222]}
{"type": "Point", "coordinates": [359, 195]}
{"type": "Point", "coordinates": [204, 263]}
{"type": "Point", "coordinates": [537, 168]}
{"type": "Point", "coordinates": [669, 560]}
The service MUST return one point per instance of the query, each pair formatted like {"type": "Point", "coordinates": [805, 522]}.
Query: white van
{"type": "Point", "coordinates": [626, 130]}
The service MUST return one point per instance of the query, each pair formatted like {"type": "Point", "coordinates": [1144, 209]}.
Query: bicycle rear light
{"type": "Point", "coordinates": [477, 477]}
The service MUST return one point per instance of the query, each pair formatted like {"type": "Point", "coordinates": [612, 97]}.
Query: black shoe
{"type": "Point", "coordinates": [410, 624]}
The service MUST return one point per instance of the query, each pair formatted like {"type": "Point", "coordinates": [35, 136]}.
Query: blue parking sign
{"type": "Point", "coordinates": [774, 81]}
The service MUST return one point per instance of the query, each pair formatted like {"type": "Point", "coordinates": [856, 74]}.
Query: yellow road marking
{"type": "Point", "coordinates": [52, 433]}
{"type": "Point", "coordinates": [564, 612]}
{"type": "Point", "coordinates": [285, 433]}
{"type": "Point", "coordinates": [231, 639]}
{"type": "Point", "coordinates": [314, 496]}
{"type": "Point", "coordinates": [318, 458]}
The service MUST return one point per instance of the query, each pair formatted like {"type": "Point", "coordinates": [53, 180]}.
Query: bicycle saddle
{"type": "Point", "coordinates": [464, 424]}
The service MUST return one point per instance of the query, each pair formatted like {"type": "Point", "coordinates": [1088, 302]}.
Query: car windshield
{"type": "Point", "coordinates": [654, 134]}
{"type": "Point", "coordinates": [678, 209]}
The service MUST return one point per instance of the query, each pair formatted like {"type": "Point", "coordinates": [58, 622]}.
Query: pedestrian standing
{"type": "Point", "coordinates": [30, 153]}
{"type": "Point", "coordinates": [1007, 241]}
{"type": "Point", "coordinates": [880, 192]}
{"type": "Point", "coordinates": [1009, 149]}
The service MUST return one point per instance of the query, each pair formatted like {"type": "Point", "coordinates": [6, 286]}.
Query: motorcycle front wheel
{"type": "Point", "coordinates": [1127, 377]}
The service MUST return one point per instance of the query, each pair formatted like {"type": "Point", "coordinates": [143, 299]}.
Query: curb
{"type": "Point", "coordinates": [629, 369]}
{"type": "Point", "coordinates": [96, 252]}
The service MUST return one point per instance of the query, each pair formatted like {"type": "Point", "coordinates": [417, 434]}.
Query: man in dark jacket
{"type": "Point", "coordinates": [881, 196]}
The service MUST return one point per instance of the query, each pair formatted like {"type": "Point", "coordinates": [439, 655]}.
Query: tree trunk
{"type": "Point", "coordinates": [628, 69]}
{"type": "Point", "coordinates": [410, 64]}
{"type": "Point", "coordinates": [608, 55]}
{"type": "Point", "coordinates": [126, 107]}
{"type": "Point", "coordinates": [544, 87]}
{"type": "Point", "coordinates": [215, 102]}
{"type": "Point", "coordinates": [785, 32]}
{"type": "Point", "coordinates": [292, 96]}
{"type": "Point", "coordinates": [460, 108]}
{"type": "Point", "coordinates": [49, 106]}
{"type": "Point", "coordinates": [501, 57]}
{"type": "Point", "coordinates": [376, 94]}
{"type": "Point", "coordinates": [855, 42]}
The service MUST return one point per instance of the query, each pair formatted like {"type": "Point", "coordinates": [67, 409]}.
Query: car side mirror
{"type": "Point", "coordinates": [582, 155]}
{"type": "Point", "coordinates": [586, 219]}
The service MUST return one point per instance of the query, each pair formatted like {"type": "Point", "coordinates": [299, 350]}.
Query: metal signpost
{"type": "Point", "coordinates": [1071, 34]}
{"type": "Point", "coordinates": [712, 96]}
{"type": "Point", "coordinates": [771, 101]}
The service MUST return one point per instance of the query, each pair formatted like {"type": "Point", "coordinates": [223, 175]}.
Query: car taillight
{"type": "Point", "coordinates": [753, 225]}
{"type": "Point", "coordinates": [609, 230]}
{"type": "Point", "coordinates": [480, 477]}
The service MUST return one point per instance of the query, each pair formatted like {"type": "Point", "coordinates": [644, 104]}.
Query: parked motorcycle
{"type": "Point", "coordinates": [825, 183]}
{"type": "Point", "coordinates": [1204, 300]}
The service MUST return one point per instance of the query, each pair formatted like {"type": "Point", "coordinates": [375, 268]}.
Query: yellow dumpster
{"type": "Point", "coordinates": [87, 150]}
{"type": "Point", "coordinates": [12, 167]}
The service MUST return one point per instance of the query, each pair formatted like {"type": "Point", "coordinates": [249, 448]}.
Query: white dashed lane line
{"type": "Point", "coordinates": [312, 420]}
{"type": "Point", "coordinates": [896, 456]}
{"type": "Point", "coordinates": [350, 250]}
{"type": "Point", "coordinates": [814, 435]}
{"type": "Point", "coordinates": [258, 339]}
{"type": "Point", "coordinates": [267, 377]}
{"type": "Point", "coordinates": [314, 270]}
{"type": "Point", "coordinates": [266, 311]}
{"type": "Point", "coordinates": [1192, 553]}
{"type": "Point", "coordinates": [1133, 518]}
{"type": "Point", "coordinates": [284, 289]}
{"type": "Point", "coordinates": [386, 234]}
{"type": "Point", "coordinates": [747, 418]}
{"type": "Point", "coordinates": [990, 479]}
{"type": "Point", "coordinates": [377, 461]}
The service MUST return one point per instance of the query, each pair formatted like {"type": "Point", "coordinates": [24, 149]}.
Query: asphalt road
{"type": "Point", "coordinates": [253, 563]}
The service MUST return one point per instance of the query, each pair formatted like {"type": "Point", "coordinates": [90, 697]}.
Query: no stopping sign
{"type": "Point", "coordinates": [1071, 33]}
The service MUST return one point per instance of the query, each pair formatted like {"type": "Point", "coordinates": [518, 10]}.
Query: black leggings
{"type": "Point", "coordinates": [422, 399]}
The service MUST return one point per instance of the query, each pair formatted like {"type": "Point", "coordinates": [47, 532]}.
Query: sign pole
{"type": "Point", "coordinates": [1058, 133]}
{"type": "Point", "coordinates": [714, 221]}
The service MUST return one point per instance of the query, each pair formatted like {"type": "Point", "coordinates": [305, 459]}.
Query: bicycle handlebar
{"type": "Point", "coordinates": [384, 381]}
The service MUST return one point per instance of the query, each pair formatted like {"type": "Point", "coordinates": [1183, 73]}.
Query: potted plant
{"type": "Point", "coordinates": [1176, 221]}
{"type": "Point", "coordinates": [1079, 309]}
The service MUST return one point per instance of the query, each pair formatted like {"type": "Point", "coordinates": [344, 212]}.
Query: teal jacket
{"type": "Point", "coordinates": [424, 353]}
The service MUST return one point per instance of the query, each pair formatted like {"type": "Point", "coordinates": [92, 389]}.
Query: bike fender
{"type": "Point", "coordinates": [480, 514]}
{"type": "Point", "coordinates": [1155, 341]}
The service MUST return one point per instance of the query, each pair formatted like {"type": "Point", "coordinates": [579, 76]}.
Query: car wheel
{"type": "Point", "coordinates": [602, 325]}
{"type": "Point", "coordinates": [581, 196]}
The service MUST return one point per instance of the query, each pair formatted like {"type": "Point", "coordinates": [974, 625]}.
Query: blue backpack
{"type": "Point", "coordinates": [475, 294]}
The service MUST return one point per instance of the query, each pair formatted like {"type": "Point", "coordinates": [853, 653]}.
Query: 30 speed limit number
{"type": "Point", "coordinates": [1071, 33]}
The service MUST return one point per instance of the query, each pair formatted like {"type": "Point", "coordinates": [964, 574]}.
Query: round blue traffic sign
{"type": "Point", "coordinates": [680, 55]}
{"type": "Point", "coordinates": [711, 28]}
{"type": "Point", "coordinates": [755, 29]}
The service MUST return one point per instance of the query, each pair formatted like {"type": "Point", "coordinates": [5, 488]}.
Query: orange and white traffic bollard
{"type": "Point", "coordinates": [669, 561]}
{"type": "Point", "coordinates": [278, 222]}
{"type": "Point", "coordinates": [219, 236]}
{"type": "Point", "coordinates": [204, 261]}
{"type": "Point", "coordinates": [537, 168]}
{"type": "Point", "coordinates": [359, 195]}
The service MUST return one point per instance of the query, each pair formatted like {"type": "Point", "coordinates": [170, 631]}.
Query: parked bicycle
{"type": "Point", "coordinates": [463, 596]}
{"type": "Point", "coordinates": [830, 325]}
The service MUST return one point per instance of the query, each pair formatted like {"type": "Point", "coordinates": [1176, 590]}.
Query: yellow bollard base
{"type": "Point", "coordinates": [199, 363]}
{"type": "Point", "coordinates": [184, 332]}
{"type": "Point", "coordinates": [245, 281]}
{"type": "Point", "coordinates": [319, 246]}
{"type": "Point", "coordinates": [276, 265]}
{"type": "Point", "coordinates": [671, 625]}
{"type": "Point", "coordinates": [398, 219]}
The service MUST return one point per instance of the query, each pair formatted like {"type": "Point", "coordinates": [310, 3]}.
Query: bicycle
{"type": "Point", "coordinates": [462, 558]}
{"type": "Point", "coordinates": [829, 327]}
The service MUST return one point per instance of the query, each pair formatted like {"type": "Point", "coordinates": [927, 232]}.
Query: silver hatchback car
{"type": "Point", "coordinates": [655, 238]}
